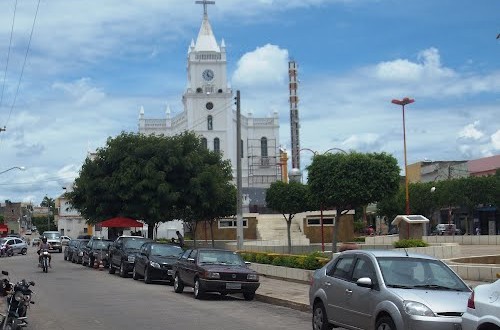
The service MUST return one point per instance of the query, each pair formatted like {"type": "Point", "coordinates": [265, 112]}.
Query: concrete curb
{"type": "Point", "coordinates": [282, 302]}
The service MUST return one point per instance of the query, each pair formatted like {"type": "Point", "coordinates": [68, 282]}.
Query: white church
{"type": "Point", "coordinates": [209, 111]}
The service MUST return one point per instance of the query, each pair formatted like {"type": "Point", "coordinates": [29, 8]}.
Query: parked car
{"type": "Point", "coordinates": [70, 249]}
{"type": "Point", "coordinates": [483, 308]}
{"type": "Point", "coordinates": [122, 253]}
{"type": "Point", "coordinates": [18, 245]}
{"type": "Point", "coordinates": [54, 239]}
{"type": "Point", "coordinates": [77, 255]}
{"type": "Point", "coordinates": [36, 241]}
{"type": "Point", "coordinates": [154, 262]}
{"type": "Point", "coordinates": [96, 250]}
{"type": "Point", "coordinates": [369, 289]}
{"type": "Point", "coordinates": [214, 270]}
{"type": "Point", "coordinates": [65, 240]}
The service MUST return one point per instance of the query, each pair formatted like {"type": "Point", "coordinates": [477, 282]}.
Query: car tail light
{"type": "Point", "coordinates": [470, 302]}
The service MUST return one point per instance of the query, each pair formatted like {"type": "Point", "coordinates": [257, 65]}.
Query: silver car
{"type": "Point", "coordinates": [18, 245]}
{"type": "Point", "coordinates": [387, 290]}
{"type": "Point", "coordinates": [483, 308]}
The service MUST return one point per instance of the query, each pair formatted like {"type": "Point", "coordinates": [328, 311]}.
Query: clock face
{"type": "Point", "coordinates": [209, 105]}
{"type": "Point", "coordinates": [208, 75]}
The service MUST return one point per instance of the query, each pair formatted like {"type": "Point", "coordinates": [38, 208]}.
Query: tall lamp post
{"type": "Point", "coordinates": [321, 206]}
{"type": "Point", "coordinates": [402, 103]}
{"type": "Point", "coordinates": [21, 168]}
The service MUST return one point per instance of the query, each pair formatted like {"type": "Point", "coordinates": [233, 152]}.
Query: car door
{"type": "Point", "coordinates": [191, 267]}
{"type": "Point", "coordinates": [335, 284]}
{"type": "Point", "coordinates": [12, 243]}
{"type": "Point", "coordinates": [141, 259]}
{"type": "Point", "coordinates": [361, 301]}
{"type": "Point", "coordinates": [115, 253]}
{"type": "Point", "coordinates": [19, 245]}
{"type": "Point", "coordinates": [182, 263]}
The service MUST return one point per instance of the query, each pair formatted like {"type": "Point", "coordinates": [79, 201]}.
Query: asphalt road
{"type": "Point", "coordinates": [71, 296]}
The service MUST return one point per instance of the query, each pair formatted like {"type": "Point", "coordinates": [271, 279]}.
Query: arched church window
{"type": "Point", "coordinates": [220, 90]}
{"type": "Point", "coordinates": [216, 145]}
{"type": "Point", "coordinates": [263, 147]}
{"type": "Point", "coordinates": [241, 144]}
{"type": "Point", "coordinates": [204, 143]}
{"type": "Point", "coordinates": [210, 124]}
{"type": "Point", "coordinates": [199, 90]}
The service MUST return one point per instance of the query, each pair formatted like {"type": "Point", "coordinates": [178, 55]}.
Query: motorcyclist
{"type": "Point", "coordinates": [43, 246]}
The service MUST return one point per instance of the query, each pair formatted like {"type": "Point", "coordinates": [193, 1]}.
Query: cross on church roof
{"type": "Point", "coordinates": [205, 3]}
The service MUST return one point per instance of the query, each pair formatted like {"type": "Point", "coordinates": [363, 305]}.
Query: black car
{"type": "Point", "coordinates": [154, 262]}
{"type": "Point", "coordinates": [214, 270]}
{"type": "Point", "coordinates": [77, 255]}
{"type": "Point", "coordinates": [122, 253]}
{"type": "Point", "coordinates": [96, 250]}
{"type": "Point", "coordinates": [69, 249]}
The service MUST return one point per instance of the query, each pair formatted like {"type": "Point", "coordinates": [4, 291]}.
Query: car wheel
{"type": "Point", "coordinates": [178, 285]}
{"type": "Point", "coordinates": [123, 271]}
{"type": "Point", "coordinates": [385, 323]}
{"type": "Point", "coordinates": [319, 318]}
{"type": "Point", "coordinates": [73, 259]}
{"type": "Point", "coordinates": [65, 257]}
{"type": "Point", "coordinates": [147, 276]}
{"type": "Point", "coordinates": [198, 291]}
{"type": "Point", "coordinates": [60, 250]}
{"type": "Point", "coordinates": [248, 295]}
{"type": "Point", "coordinates": [135, 276]}
{"type": "Point", "coordinates": [24, 251]}
{"type": "Point", "coordinates": [91, 262]}
{"type": "Point", "coordinates": [111, 270]}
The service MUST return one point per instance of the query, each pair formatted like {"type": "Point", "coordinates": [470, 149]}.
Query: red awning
{"type": "Point", "coordinates": [3, 228]}
{"type": "Point", "coordinates": [120, 222]}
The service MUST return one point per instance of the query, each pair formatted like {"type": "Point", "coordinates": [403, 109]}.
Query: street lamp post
{"type": "Point", "coordinates": [321, 206]}
{"type": "Point", "coordinates": [402, 103]}
{"type": "Point", "coordinates": [22, 168]}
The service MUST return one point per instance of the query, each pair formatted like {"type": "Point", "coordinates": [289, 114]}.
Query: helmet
{"type": "Point", "coordinates": [44, 239]}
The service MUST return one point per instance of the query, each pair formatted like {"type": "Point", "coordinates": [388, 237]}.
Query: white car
{"type": "Point", "coordinates": [483, 308]}
{"type": "Point", "coordinates": [65, 240]}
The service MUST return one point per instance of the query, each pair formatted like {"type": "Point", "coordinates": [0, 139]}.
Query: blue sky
{"type": "Point", "coordinates": [92, 64]}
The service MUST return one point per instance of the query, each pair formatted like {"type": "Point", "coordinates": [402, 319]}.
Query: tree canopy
{"type": "Point", "coordinates": [346, 181]}
{"type": "Point", "coordinates": [151, 178]}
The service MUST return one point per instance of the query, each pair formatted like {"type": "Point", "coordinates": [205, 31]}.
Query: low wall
{"type": "Point", "coordinates": [460, 239]}
{"type": "Point", "coordinates": [295, 274]}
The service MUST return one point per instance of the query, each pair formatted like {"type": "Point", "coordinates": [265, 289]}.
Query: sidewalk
{"type": "Point", "coordinates": [296, 295]}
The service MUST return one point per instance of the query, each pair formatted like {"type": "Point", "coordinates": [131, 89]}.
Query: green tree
{"type": "Point", "coordinates": [392, 205]}
{"type": "Point", "coordinates": [288, 199]}
{"type": "Point", "coordinates": [146, 177]}
{"type": "Point", "coordinates": [345, 181]}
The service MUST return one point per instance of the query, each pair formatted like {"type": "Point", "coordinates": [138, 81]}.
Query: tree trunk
{"type": "Point", "coordinates": [338, 212]}
{"type": "Point", "coordinates": [212, 232]}
{"type": "Point", "coordinates": [193, 227]}
{"type": "Point", "coordinates": [151, 228]}
{"type": "Point", "coordinates": [288, 226]}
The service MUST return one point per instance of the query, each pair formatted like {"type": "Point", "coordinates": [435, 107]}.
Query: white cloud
{"type": "Point", "coordinates": [471, 132]}
{"type": "Point", "coordinates": [82, 91]}
{"type": "Point", "coordinates": [495, 140]}
{"type": "Point", "coordinates": [267, 66]}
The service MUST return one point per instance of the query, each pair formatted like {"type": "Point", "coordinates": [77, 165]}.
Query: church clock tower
{"type": "Point", "coordinates": [208, 99]}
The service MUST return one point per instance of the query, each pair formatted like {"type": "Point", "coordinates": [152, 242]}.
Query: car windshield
{"type": "Point", "coordinates": [101, 245]}
{"type": "Point", "coordinates": [52, 235]}
{"type": "Point", "coordinates": [134, 243]}
{"type": "Point", "coordinates": [165, 250]}
{"type": "Point", "coordinates": [220, 257]}
{"type": "Point", "coordinates": [419, 273]}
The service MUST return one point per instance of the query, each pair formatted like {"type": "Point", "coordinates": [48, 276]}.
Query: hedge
{"type": "Point", "coordinates": [311, 261]}
{"type": "Point", "coordinates": [408, 243]}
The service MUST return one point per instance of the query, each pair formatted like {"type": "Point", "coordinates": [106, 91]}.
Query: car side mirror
{"type": "Point", "coordinates": [248, 263]}
{"type": "Point", "coordinates": [365, 282]}
{"type": "Point", "coordinates": [191, 260]}
{"type": "Point", "coordinates": [5, 273]}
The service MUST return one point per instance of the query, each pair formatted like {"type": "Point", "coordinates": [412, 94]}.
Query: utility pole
{"type": "Point", "coordinates": [239, 213]}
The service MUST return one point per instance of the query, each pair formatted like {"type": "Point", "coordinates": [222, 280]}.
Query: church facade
{"type": "Point", "coordinates": [209, 111]}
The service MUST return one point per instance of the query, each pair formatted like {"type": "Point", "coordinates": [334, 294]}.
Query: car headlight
{"type": "Point", "coordinates": [131, 258]}
{"type": "Point", "coordinates": [27, 297]}
{"type": "Point", "coordinates": [418, 309]}
{"type": "Point", "coordinates": [155, 264]}
{"type": "Point", "coordinates": [213, 275]}
{"type": "Point", "coordinates": [253, 277]}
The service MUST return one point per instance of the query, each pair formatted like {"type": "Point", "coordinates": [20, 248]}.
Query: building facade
{"type": "Point", "coordinates": [209, 111]}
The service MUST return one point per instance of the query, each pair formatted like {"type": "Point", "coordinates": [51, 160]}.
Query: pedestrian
{"type": "Point", "coordinates": [180, 238]}
{"type": "Point", "coordinates": [478, 231]}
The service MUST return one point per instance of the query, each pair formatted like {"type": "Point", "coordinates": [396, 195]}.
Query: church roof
{"type": "Point", "coordinates": [206, 39]}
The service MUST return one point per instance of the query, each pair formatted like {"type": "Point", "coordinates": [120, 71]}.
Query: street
{"type": "Point", "coordinates": [71, 296]}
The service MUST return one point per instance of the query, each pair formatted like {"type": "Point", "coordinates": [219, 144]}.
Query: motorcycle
{"type": "Point", "coordinates": [45, 255]}
{"type": "Point", "coordinates": [6, 251]}
{"type": "Point", "coordinates": [18, 301]}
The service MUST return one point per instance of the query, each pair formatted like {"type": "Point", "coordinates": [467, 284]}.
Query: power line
{"type": "Point", "coordinates": [8, 53]}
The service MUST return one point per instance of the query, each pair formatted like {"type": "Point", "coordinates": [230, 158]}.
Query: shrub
{"type": "Point", "coordinates": [262, 259]}
{"type": "Point", "coordinates": [408, 243]}
{"type": "Point", "coordinates": [311, 262]}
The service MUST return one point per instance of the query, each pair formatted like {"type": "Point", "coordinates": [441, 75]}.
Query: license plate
{"type": "Point", "coordinates": [233, 286]}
